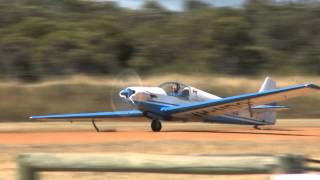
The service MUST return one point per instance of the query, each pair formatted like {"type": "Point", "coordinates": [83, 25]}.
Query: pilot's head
{"type": "Point", "coordinates": [175, 87]}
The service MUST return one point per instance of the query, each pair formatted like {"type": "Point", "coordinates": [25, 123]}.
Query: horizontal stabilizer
{"type": "Point", "coordinates": [269, 108]}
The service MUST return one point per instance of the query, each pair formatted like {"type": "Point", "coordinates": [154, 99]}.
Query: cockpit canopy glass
{"type": "Point", "coordinates": [173, 88]}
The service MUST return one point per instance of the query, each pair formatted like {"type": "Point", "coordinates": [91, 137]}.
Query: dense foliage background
{"type": "Point", "coordinates": [48, 38]}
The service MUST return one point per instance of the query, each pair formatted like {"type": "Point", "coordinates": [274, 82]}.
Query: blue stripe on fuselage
{"type": "Point", "coordinates": [153, 107]}
{"type": "Point", "coordinates": [163, 103]}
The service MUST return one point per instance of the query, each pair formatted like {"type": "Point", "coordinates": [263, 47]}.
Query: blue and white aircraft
{"type": "Point", "coordinates": [173, 101]}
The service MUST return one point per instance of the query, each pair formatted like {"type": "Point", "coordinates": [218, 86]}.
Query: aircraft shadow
{"type": "Point", "coordinates": [238, 132]}
{"type": "Point", "coordinates": [275, 129]}
{"type": "Point", "coordinates": [108, 130]}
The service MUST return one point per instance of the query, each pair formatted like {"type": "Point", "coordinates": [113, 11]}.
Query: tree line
{"type": "Point", "coordinates": [49, 38]}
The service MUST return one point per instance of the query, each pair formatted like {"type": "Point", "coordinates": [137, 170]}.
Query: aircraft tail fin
{"type": "Point", "coordinates": [269, 114]}
{"type": "Point", "coordinates": [268, 84]}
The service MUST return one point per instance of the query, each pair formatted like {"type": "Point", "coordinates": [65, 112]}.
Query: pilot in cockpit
{"type": "Point", "coordinates": [175, 89]}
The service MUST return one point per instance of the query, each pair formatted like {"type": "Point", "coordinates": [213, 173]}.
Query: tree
{"type": "Point", "coordinates": [195, 5]}
{"type": "Point", "coordinates": [153, 5]}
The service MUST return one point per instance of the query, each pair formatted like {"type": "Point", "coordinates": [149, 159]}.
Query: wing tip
{"type": "Point", "coordinates": [313, 86]}
{"type": "Point", "coordinates": [34, 117]}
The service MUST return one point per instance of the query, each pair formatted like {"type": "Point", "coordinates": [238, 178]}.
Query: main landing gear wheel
{"type": "Point", "coordinates": [156, 125]}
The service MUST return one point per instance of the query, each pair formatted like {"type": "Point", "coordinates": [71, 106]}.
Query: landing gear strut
{"type": "Point", "coordinates": [156, 125]}
{"type": "Point", "coordinates": [95, 126]}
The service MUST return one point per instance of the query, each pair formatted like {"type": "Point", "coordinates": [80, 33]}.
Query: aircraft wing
{"type": "Point", "coordinates": [235, 103]}
{"type": "Point", "coordinates": [115, 114]}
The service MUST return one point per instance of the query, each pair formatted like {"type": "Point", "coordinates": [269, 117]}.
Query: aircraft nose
{"type": "Point", "coordinates": [126, 93]}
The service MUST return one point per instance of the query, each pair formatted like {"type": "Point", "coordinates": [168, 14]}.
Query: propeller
{"type": "Point", "coordinates": [118, 93]}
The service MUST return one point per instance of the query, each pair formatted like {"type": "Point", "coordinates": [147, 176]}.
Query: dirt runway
{"type": "Point", "coordinates": [70, 134]}
{"type": "Point", "coordinates": [288, 136]}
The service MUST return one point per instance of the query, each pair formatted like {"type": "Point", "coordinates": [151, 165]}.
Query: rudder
{"type": "Point", "coordinates": [270, 115]}
{"type": "Point", "coordinates": [268, 84]}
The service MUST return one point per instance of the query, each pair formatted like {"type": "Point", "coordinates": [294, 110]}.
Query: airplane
{"type": "Point", "coordinates": [174, 101]}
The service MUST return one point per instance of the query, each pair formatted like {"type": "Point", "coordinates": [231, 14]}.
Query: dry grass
{"type": "Point", "coordinates": [147, 176]}
{"type": "Point", "coordinates": [251, 83]}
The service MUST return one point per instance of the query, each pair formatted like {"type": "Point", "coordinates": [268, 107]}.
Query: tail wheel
{"type": "Point", "coordinates": [156, 125]}
{"type": "Point", "coordinates": [257, 127]}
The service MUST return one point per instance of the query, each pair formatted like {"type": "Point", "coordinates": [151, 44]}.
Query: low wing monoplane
{"type": "Point", "coordinates": [173, 101]}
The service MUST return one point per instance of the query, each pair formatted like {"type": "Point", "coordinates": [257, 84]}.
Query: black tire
{"type": "Point", "coordinates": [156, 126]}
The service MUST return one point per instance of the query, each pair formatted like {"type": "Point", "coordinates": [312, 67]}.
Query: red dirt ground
{"type": "Point", "coordinates": [225, 134]}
